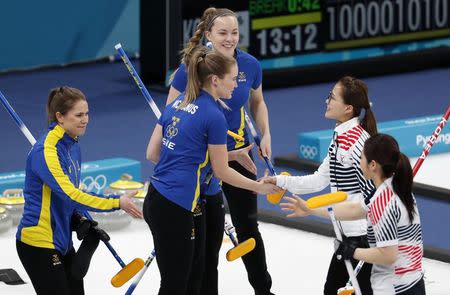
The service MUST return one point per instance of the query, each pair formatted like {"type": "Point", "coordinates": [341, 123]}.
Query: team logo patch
{"type": "Point", "coordinates": [56, 260]}
{"type": "Point", "coordinates": [242, 77]}
{"type": "Point", "coordinates": [197, 210]}
{"type": "Point", "coordinates": [171, 130]}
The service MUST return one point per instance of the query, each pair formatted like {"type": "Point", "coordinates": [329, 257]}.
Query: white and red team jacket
{"type": "Point", "coordinates": [341, 170]}
{"type": "Point", "coordinates": [389, 225]}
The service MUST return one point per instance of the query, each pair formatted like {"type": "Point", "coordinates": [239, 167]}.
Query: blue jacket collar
{"type": "Point", "coordinates": [66, 139]}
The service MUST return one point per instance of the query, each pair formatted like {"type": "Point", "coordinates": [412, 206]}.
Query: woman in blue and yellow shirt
{"type": "Point", "coordinates": [220, 27]}
{"type": "Point", "coordinates": [44, 238]}
{"type": "Point", "coordinates": [188, 140]}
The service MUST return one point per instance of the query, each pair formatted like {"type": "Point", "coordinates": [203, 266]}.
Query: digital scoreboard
{"type": "Point", "coordinates": [285, 28]}
{"type": "Point", "coordinates": [290, 33]}
{"type": "Point", "coordinates": [290, 36]}
{"type": "Point", "coordinates": [285, 33]}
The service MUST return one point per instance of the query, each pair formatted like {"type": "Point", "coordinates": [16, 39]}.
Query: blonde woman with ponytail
{"type": "Point", "coordinates": [220, 27]}
{"type": "Point", "coordinates": [189, 139]}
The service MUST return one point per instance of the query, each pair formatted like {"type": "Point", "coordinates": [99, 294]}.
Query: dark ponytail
{"type": "Point", "coordinates": [402, 183]}
{"type": "Point", "coordinates": [368, 122]}
{"type": "Point", "coordinates": [356, 94]}
{"type": "Point", "coordinates": [384, 150]}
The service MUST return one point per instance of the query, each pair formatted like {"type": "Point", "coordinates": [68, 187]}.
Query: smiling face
{"type": "Point", "coordinates": [227, 84]}
{"type": "Point", "coordinates": [337, 109]}
{"type": "Point", "coordinates": [75, 120]}
{"type": "Point", "coordinates": [224, 34]}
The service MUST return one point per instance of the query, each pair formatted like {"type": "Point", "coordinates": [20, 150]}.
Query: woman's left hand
{"type": "Point", "coordinates": [242, 157]}
{"type": "Point", "coordinates": [265, 147]}
{"type": "Point", "coordinates": [296, 206]}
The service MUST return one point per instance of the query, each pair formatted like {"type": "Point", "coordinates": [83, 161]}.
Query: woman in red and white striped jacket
{"type": "Point", "coordinates": [348, 104]}
{"type": "Point", "coordinates": [394, 230]}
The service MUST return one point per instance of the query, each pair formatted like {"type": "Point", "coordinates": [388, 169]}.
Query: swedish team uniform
{"type": "Point", "coordinates": [173, 198]}
{"type": "Point", "coordinates": [51, 192]}
{"type": "Point", "coordinates": [249, 77]}
{"type": "Point", "coordinates": [242, 203]}
{"type": "Point", "coordinates": [184, 161]}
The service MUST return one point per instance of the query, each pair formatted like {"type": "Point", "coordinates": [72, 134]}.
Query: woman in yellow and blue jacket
{"type": "Point", "coordinates": [52, 197]}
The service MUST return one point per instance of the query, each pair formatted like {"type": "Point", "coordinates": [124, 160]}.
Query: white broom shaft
{"type": "Point", "coordinates": [348, 265]}
{"type": "Point", "coordinates": [17, 119]}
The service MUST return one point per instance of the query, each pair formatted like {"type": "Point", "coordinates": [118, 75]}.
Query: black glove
{"type": "Point", "coordinates": [81, 225]}
{"type": "Point", "coordinates": [100, 233]}
{"type": "Point", "coordinates": [345, 249]}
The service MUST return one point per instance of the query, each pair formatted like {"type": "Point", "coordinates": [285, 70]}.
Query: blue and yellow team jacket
{"type": "Point", "coordinates": [249, 77]}
{"type": "Point", "coordinates": [51, 192]}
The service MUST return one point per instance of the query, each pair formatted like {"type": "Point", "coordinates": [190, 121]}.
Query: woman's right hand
{"type": "Point", "coordinates": [127, 205]}
{"type": "Point", "coordinates": [296, 205]}
{"type": "Point", "coordinates": [267, 188]}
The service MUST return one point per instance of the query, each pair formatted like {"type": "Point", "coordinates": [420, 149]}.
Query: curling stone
{"type": "Point", "coordinates": [114, 220]}
{"type": "Point", "coordinates": [118, 219]}
{"type": "Point", "coordinates": [6, 221]}
{"type": "Point", "coordinates": [139, 198]}
{"type": "Point", "coordinates": [13, 201]}
{"type": "Point", "coordinates": [123, 186]}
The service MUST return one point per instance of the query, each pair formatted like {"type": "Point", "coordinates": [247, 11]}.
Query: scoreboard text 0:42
{"type": "Point", "coordinates": [297, 33]}
{"type": "Point", "coordinates": [284, 27]}
{"type": "Point", "coordinates": [291, 27]}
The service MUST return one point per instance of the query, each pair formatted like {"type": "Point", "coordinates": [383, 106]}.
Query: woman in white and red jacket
{"type": "Point", "coordinates": [348, 104]}
{"type": "Point", "coordinates": [394, 230]}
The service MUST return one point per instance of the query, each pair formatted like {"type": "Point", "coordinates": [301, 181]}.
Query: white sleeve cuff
{"type": "Point", "coordinates": [281, 181]}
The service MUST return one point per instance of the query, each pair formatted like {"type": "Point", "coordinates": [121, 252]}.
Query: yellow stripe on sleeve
{"type": "Point", "coordinates": [197, 189]}
{"type": "Point", "coordinates": [240, 130]}
{"type": "Point", "coordinates": [52, 161]}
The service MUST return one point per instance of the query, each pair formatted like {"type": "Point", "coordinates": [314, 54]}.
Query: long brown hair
{"type": "Point", "coordinates": [62, 99]}
{"type": "Point", "coordinates": [384, 149]}
{"type": "Point", "coordinates": [356, 94]}
{"type": "Point", "coordinates": [204, 63]}
{"type": "Point", "coordinates": [206, 23]}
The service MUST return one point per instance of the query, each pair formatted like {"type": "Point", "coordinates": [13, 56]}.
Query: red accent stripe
{"type": "Point", "coordinates": [347, 139]}
{"type": "Point", "coordinates": [414, 256]}
{"type": "Point", "coordinates": [379, 205]}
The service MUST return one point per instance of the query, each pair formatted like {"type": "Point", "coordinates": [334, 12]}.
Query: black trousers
{"type": "Point", "coordinates": [215, 219]}
{"type": "Point", "coordinates": [176, 241]}
{"type": "Point", "coordinates": [244, 215]}
{"type": "Point", "coordinates": [337, 276]}
{"type": "Point", "coordinates": [49, 270]}
{"type": "Point", "coordinates": [417, 289]}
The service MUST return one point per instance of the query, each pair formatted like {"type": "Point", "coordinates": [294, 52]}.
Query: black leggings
{"type": "Point", "coordinates": [49, 270]}
{"type": "Point", "coordinates": [417, 289]}
{"type": "Point", "coordinates": [175, 239]}
{"type": "Point", "coordinates": [337, 276]}
{"type": "Point", "coordinates": [244, 214]}
{"type": "Point", "coordinates": [215, 218]}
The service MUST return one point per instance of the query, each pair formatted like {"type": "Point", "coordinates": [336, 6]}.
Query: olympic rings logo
{"type": "Point", "coordinates": [171, 131]}
{"type": "Point", "coordinates": [308, 152]}
{"type": "Point", "coordinates": [90, 183]}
